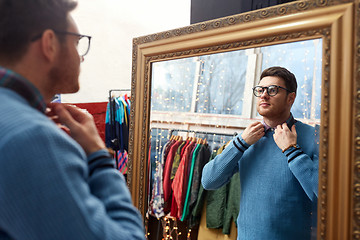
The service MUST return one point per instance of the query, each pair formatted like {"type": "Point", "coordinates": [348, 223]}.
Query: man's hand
{"type": "Point", "coordinates": [283, 137]}
{"type": "Point", "coordinates": [253, 133]}
{"type": "Point", "coordinates": [80, 125]}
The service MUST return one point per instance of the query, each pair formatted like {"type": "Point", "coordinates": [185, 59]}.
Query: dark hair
{"type": "Point", "coordinates": [287, 76]}
{"type": "Point", "coordinates": [22, 20]}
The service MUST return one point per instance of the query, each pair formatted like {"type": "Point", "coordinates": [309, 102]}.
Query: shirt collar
{"type": "Point", "coordinates": [20, 85]}
{"type": "Point", "coordinates": [290, 122]}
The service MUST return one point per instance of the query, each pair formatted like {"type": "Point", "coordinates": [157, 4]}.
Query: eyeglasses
{"type": "Point", "coordinates": [83, 44]}
{"type": "Point", "coordinates": [271, 90]}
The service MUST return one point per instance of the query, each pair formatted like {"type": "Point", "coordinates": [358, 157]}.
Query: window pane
{"type": "Point", "coordinates": [221, 83]}
{"type": "Point", "coordinates": [206, 84]}
{"type": "Point", "coordinates": [173, 88]}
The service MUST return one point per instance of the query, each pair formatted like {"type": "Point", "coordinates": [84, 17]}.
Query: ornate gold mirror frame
{"type": "Point", "coordinates": [337, 23]}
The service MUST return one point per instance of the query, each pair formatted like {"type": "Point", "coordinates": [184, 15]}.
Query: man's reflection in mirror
{"type": "Point", "coordinates": [278, 165]}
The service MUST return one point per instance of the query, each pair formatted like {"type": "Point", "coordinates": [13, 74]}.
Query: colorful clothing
{"type": "Point", "coordinates": [117, 124]}
{"type": "Point", "coordinates": [187, 184]}
{"type": "Point", "coordinates": [178, 183]}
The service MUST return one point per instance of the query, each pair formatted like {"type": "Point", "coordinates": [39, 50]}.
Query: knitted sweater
{"type": "Point", "coordinates": [277, 189]}
{"type": "Point", "coordinates": [49, 189]}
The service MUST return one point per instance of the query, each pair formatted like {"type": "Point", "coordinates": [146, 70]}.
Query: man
{"type": "Point", "coordinates": [52, 186]}
{"type": "Point", "coordinates": [278, 164]}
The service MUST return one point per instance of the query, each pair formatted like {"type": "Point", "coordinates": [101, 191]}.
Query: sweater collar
{"type": "Point", "coordinates": [23, 87]}
{"type": "Point", "coordinates": [290, 122]}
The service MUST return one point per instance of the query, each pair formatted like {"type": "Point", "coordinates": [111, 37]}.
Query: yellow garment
{"type": "Point", "coordinates": [214, 234]}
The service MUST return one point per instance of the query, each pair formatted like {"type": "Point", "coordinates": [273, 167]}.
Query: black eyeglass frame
{"type": "Point", "coordinates": [267, 90]}
{"type": "Point", "coordinates": [68, 33]}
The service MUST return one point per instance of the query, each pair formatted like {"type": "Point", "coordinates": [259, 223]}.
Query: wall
{"type": "Point", "coordinates": [113, 24]}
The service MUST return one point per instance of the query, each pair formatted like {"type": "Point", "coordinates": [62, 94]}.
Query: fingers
{"type": "Point", "coordinates": [282, 126]}
{"type": "Point", "coordinates": [285, 127]}
{"type": "Point", "coordinates": [257, 126]}
{"type": "Point", "coordinates": [253, 133]}
{"type": "Point", "coordinates": [65, 129]}
{"type": "Point", "coordinates": [51, 114]}
{"type": "Point", "coordinates": [64, 116]}
{"type": "Point", "coordinates": [68, 114]}
{"type": "Point", "coordinates": [79, 124]}
{"type": "Point", "coordinates": [285, 137]}
{"type": "Point", "coordinates": [56, 113]}
{"type": "Point", "coordinates": [77, 114]}
{"type": "Point", "coordinates": [55, 119]}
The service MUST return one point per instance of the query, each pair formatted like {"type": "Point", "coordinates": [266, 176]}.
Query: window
{"type": "Point", "coordinates": [215, 90]}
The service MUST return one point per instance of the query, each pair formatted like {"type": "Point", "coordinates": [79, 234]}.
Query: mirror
{"type": "Point", "coordinates": [209, 97]}
{"type": "Point", "coordinates": [328, 25]}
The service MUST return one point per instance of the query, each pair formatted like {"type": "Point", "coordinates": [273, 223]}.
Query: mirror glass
{"type": "Point", "coordinates": [210, 97]}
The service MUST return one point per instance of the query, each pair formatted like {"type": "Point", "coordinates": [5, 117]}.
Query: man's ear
{"type": "Point", "coordinates": [49, 45]}
{"type": "Point", "coordinates": [291, 98]}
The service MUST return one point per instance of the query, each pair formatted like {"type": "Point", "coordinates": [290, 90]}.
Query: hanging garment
{"type": "Point", "coordinates": [212, 233]}
{"type": "Point", "coordinates": [177, 185]}
{"type": "Point", "coordinates": [222, 205]}
{"type": "Point", "coordinates": [179, 154]}
{"type": "Point", "coordinates": [122, 162]}
{"type": "Point", "coordinates": [233, 203]}
{"type": "Point", "coordinates": [200, 158]}
{"type": "Point", "coordinates": [224, 200]}
{"type": "Point", "coordinates": [167, 174]}
{"type": "Point", "coordinates": [157, 199]}
{"type": "Point", "coordinates": [117, 124]}
{"type": "Point", "coordinates": [188, 185]}
{"type": "Point", "coordinates": [111, 140]}
{"type": "Point", "coordinates": [149, 183]}
{"type": "Point", "coordinates": [203, 157]}
{"type": "Point", "coordinates": [187, 177]}
{"type": "Point", "coordinates": [125, 123]}
{"type": "Point", "coordinates": [177, 159]}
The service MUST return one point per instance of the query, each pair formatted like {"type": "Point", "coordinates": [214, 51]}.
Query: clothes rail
{"type": "Point", "coordinates": [201, 132]}
{"type": "Point", "coordinates": [118, 90]}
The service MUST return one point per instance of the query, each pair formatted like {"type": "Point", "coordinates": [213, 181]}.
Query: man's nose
{"type": "Point", "coordinates": [264, 94]}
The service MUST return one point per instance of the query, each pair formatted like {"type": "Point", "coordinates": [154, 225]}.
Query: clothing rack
{"type": "Point", "coordinates": [170, 132]}
{"type": "Point", "coordinates": [117, 90]}
{"type": "Point", "coordinates": [200, 132]}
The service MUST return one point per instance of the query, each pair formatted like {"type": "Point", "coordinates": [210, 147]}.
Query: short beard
{"type": "Point", "coordinates": [61, 76]}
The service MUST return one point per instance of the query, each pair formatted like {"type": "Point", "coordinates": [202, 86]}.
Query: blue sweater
{"type": "Point", "coordinates": [277, 189]}
{"type": "Point", "coordinates": [49, 188]}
